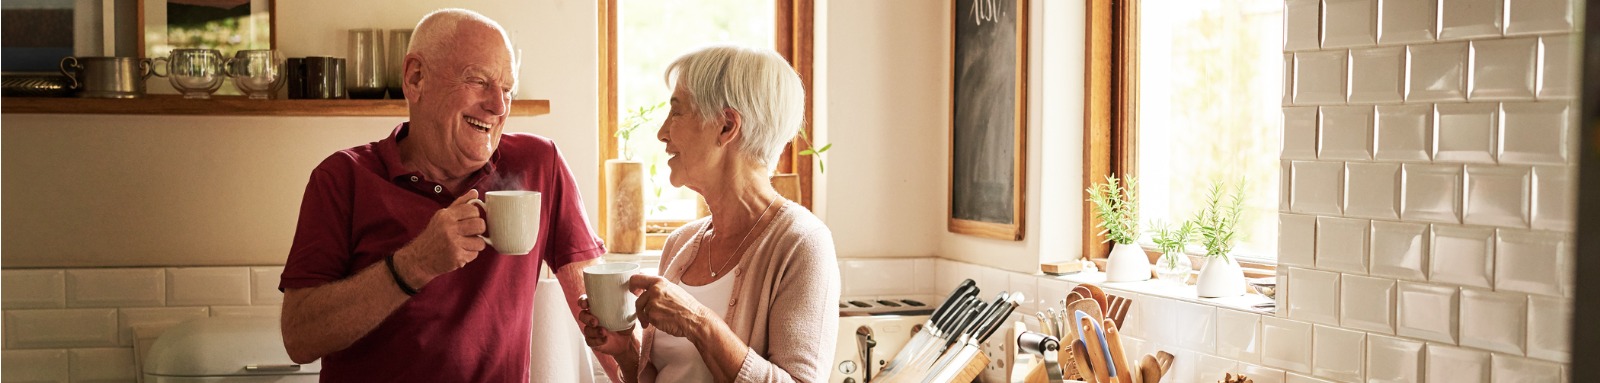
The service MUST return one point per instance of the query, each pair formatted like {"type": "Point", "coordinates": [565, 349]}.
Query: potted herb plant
{"type": "Point", "coordinates": [1216, 225]}
{"type": "Point", "coordinates": [625, 187]}
{"type": "Point", "coordinates": [1174, 265]}
{"type": "Point", "coordinates": [1117, 206]}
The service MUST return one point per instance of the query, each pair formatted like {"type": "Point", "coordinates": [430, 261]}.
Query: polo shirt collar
{"type": "Point", "coordinates": [388, 151]}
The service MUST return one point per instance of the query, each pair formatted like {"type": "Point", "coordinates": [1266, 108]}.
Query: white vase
{"type": "Point", "coordinates": [1127, 263]}
{"type": "Point", "coordinates": [1220, 278]}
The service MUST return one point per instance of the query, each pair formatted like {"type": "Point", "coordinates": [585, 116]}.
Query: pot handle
{"type": "Point", "coordinates": [158, 63]}
{"type": "Point", "coordinates": [71, 74]}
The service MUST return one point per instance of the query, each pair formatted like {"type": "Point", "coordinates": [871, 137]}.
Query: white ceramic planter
{"type": "Point", "coordinates": [1127, 263]}
{"type": "Point", "coordinates": [1220, 278]}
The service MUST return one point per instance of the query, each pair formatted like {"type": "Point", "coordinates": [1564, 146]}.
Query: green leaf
{"type": "Point", "coordinates": [825, 148]}
{"type": "Point", "coordinates": [807, 152]}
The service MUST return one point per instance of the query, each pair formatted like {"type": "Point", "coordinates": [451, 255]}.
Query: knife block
{"type": "Point", "coordinates": [971, 370]}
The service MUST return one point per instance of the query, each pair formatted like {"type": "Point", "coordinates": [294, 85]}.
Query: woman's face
{"type": "Point", "coordinates": [696, 147]}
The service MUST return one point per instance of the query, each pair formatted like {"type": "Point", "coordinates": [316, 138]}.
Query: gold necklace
{"type": "Point", "coordinates": [746, 238]}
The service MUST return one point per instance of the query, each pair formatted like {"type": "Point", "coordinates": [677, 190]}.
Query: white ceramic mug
{"type": "Point", "coordinates": [513, 219]}
{"type": "Point", "coordinates": [609, 297]}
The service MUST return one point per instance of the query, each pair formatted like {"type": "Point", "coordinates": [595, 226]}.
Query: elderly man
{"type": "Point", "coordinates": [388, 279]}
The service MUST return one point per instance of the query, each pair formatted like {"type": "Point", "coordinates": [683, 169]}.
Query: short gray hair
{"type": "Point", "coordinates": [438, 29]}
{"type": "Point", "coordinates": [756, 83]}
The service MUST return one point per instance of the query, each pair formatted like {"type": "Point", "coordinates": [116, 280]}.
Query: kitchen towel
{"type": "Point", "coordinates": [559, 354]}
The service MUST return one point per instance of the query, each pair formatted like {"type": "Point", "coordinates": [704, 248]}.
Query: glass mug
{"type": "Point", "coordinates": [194, 72]}
{"type": "Point", "coordinates": [257, 73]}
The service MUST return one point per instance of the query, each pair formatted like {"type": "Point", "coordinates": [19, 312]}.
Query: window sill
{"type": "Point", "coordinates": [1164, 289]}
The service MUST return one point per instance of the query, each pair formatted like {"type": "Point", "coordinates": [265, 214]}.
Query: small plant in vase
{"type": "Point", "coordinates": [1174, 265]}
{"type": "Point", "coordinates": [1216, 226]}
{"type": "Point", "coordinates": [1116, 205]}
{"type": "Point", "coordinates": [625, 227]}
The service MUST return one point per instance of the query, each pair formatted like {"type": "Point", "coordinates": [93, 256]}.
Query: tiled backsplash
{"type": "Point", "coordinates": [1355, 329]}
{"type": "Point", "coordinates": [78, 325]}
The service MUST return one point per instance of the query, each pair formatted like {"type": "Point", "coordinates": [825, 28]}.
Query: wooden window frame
{"type": "Point", "coordinates": [794, 29]}
{"type": "Point", "coordinates": [1111, 116]}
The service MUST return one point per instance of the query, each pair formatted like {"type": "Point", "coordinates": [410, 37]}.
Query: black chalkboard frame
{"type": "Point", "coordinates": [989, 72]}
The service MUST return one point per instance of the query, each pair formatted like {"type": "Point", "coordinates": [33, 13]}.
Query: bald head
{"type": "Point", "coordinates": [443, 28]}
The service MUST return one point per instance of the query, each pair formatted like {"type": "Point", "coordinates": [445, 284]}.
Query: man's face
{"type": "Point", "coordinates": [464, 97]}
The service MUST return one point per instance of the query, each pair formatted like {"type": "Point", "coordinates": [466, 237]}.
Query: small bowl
{"type": "Point", "coordinates": [1265, 286]}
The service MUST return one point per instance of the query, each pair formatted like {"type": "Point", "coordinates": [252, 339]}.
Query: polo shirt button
{"type": "Point", "coordinates": [438, 189]}
{"type": "Point", "coordinates": [414, 178]}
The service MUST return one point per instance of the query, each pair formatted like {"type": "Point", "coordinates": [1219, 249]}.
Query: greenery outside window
{"type": "Point", "coordinates": [1204, 107]}
{"type": "Point", "coordinates": [639, 38]}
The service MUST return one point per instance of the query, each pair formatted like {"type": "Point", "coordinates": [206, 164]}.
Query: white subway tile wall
{"type": "Point", "coordinates": [1464, 132]}
{"type": "Point", "coordinates": [1337, 353]}
{"type": "Point", "coordinates": [1557, 72]}
{"type": "Point", "coordinates": [1457, 365]}
{"type": "Point", "coordinates": [196, 286]}
{"type": "Point", "coordinates": [77, 325]}
{"type": "Point", "coordinates": [1319, 77]}
{"type": "Point", "coordinates": [1486, 316]}
{"type": "Point", "coordinates": [1342, 244]}
{"type": "Point", "coordinates": [1498, 195]}
{"type": "Point", "coordinates": [1346, 133]}
{"type": "Point", "coordinates": [1404, 133]}
{"type": "Point", "coordinates": [1317, 297]}
{"type": "Point", "coordinates": [102, 365]}
{"type": "Point", "coordinates": [1427, 200]}
{"type": "Point", "coordinates": [1372, 190]}
{"type": "Point", "coordinates": [33, 289]}
{"type": "Point", "coordinates": [35, 366]}
{"type": "Point", "coordinates": [1538, 16]}
{"type": "Point", "coordinates": [1462, 255]}
{"type": "Point", "coordinates": [1549, 323]}
{"type": "Point", "coordinates": [1470, 19]}
{"type": "Point", "coordinates": [1436, 72]}
{"type": "Point", "coordinates": [1367, 303]}
{"type": "Point", "coordinates": [1503, 69]}
{"type": "Point", "coordinates": [1391, 359]}
{"type": "Point", "coordinates": [1348, 23]}
{"type": "Point", "coordinates": [1377, 75]}
{"type": "Point", "coordinates": [1539, 133]}
{"type": "Point", "coordinates": [1427, 312]}
{"type": "Point", "coordinates": [1286, 344]}
{"type": "Point", "coordinates": [1400, 250]}
{"type": "Point", "coordinates": [1318, 187]}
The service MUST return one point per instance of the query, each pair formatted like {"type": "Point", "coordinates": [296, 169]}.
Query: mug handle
{"type": "Point", "coordinates": [146, 69]}
{"type": "Point", "coordinates": [71, 74]}
{"type": "Point", "coordinates": [485, 208]}
{"type": "Point", "coordinates": [158, 63]}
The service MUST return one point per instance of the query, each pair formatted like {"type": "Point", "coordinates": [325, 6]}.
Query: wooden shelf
{"type": "Point", "coordinates": [230, 106]}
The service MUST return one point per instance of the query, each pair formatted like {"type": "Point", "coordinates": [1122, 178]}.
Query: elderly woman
{"type": "Point", "coordinates": [751, 293]}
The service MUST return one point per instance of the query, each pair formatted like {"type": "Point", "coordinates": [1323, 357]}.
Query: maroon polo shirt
{"type": "Point", "coordinates": [468, 325]}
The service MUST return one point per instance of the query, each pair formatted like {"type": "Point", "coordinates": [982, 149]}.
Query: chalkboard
{"type": "Point", "coordinates": [988, 117]}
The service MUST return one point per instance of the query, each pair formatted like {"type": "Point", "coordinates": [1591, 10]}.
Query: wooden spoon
{"type": "Point", "coordinates": [1149, 369]}
{"type": "Point", "coordinates": [1164, 359]}
{"type": "Point", "coordinates": [1081, 354]}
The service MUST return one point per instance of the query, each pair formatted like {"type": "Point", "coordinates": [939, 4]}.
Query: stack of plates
{"type": "Point", "coordinates": [35, 84]}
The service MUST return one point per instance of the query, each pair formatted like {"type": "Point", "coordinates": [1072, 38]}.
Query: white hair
{"type": "Point", "coordinates": [758, 84]}
{"type": "Point", "coordinates": [438, 29]}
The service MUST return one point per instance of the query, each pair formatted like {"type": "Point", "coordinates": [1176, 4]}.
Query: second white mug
{"type": "Point", "coordinates": [513, 219]}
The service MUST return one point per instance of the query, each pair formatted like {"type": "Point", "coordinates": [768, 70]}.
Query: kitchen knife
{"type": "Point", "coordinates": [953, 361]}
{"type": "Point", "coordinates": [936, 325]}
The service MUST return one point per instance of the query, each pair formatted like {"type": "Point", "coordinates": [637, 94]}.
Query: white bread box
{"type": "Point", "coordinates": [225, 349]}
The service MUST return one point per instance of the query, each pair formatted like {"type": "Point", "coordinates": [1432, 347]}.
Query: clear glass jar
{"type": "Point", "coordinates": [1174, 267]}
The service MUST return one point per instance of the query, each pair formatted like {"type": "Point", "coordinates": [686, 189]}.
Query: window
{"type": "Point", "coordinates": [641, 37]}
{"type": "Point", "coordinates": [1204, 107]}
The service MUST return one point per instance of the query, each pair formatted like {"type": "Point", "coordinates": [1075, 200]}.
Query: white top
{"type": "Point", "coordinates": [678, 360]}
